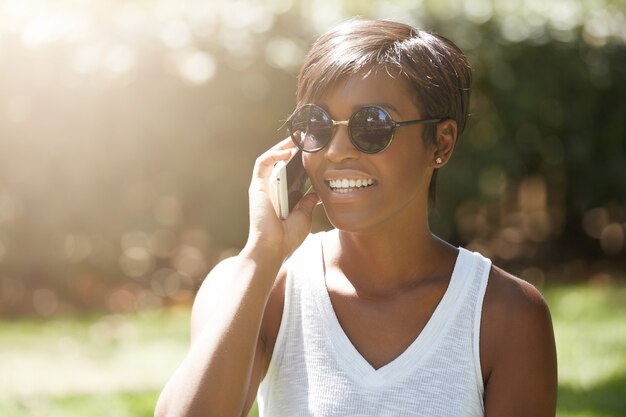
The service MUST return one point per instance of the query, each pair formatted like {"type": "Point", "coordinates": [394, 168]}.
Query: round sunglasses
{"type": "Point", "coordinates": [371, 128]}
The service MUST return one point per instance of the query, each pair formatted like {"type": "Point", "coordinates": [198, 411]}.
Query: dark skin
{"type": "Point", "coordinates": [383, 302]}
{"type": "Point", "coordinates": [382, 266]}
{"type": "Point", "coordinates": [517, 350]}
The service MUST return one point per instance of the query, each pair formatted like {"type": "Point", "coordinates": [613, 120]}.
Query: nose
{"type": "Point", "coordinates": [340, 147]}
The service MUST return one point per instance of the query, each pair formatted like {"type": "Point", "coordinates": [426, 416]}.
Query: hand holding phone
{"type": "Point", "coordinates": [290, 183]}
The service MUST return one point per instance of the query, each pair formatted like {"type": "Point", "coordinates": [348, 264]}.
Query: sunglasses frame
{"type": "Point", "coordinates": [346, 123]}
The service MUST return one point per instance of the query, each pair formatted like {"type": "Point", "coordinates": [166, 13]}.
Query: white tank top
{"type": "Point", "coordinates": [316, 371]}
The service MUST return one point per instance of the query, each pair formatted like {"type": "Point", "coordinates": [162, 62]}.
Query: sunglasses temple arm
{"type": "Point", "coordinates": [416, 122]}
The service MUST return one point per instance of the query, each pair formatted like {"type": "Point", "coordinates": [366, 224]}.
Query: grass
{"type": "Point", "coordinates": [116, 365]}
{"type": "Point", "coordinates": [590, 331]}
{"type": "Point", "coordinates": [89, 366]}
{"type": "Point", "coordinates": [119, 404]}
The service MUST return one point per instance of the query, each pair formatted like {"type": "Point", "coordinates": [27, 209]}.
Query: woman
{"type": "Point", "coordinates": [377, 317]}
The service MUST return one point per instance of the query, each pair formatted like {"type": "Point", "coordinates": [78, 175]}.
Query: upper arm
{"type": "Point", "coordinates": [518, 348]}
{"type": "Point", "coordinates": [206, 304]}
{"type": "Point", "coordinates": [267, 338]}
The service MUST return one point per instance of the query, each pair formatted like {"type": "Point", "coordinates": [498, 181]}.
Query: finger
{"type": "Point", "coordinates": [286, 143]}
{"type": "Point", "coordinates": [264, 164]}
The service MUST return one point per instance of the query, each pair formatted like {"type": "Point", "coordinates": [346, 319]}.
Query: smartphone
{"type": "Point", "coordinates": [290, 183]}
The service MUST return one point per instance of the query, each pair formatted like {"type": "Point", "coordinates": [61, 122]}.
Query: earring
{"type": "Point", "coordinates": [439, 160]}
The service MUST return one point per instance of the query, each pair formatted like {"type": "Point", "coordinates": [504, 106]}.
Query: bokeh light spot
{"type": "Point", "coordinates": [190, 261]}
{"type": "Point", "coordinates": [594, 222]}
{"type": "Point", "coordinates": [121, 300]}
{"type": "Point", "coordinates": [165, 282]}
{"type": "Point", "coordinates": [283, 53]}
{"type": "Point", "coordinates": [493, 181]}
{"type": "Point", "coordinates": [612, 238]}
{"type": "Point", "coordinates": [176, 34]}
{"type": "Point", "coordinates": [514, 28]}
{"type": "Point", "coordinates": [532, 194]}
{"type": "Point", "coordinates": [478, 11]}
{"type": "Point", "coordinates": [196, 67]}
{"type": "Point", "coordinates": [163, 243]}
{"type": "Point", "coordinates": [135, 238]}
{"type": "Point", "coordinates": [120, 59]}
{"type": "Point", "coordinates": [136, 262]}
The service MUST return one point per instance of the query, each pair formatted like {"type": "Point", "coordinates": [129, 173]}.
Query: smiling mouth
{"type": "Point", "coordinates": [350, 185]}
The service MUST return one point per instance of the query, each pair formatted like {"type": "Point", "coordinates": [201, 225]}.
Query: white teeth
{"type": "Point", "coordinates": [344, 185]}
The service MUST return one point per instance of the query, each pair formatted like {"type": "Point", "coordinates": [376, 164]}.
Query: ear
{"type": "Point", "coordinates": [446, 139]}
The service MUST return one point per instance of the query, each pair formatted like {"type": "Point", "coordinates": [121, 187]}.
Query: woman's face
{"type": "Point", "coordinates": [400, 174]}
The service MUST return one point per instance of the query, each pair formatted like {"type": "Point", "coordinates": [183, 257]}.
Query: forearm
{"type": "Point", "coordinates": [213, 379]}
{"type": "Point", "coordinates": [215, 376]}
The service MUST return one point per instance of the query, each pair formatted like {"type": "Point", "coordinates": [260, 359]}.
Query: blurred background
{"type": "Point", "coordinates": [128, 131]}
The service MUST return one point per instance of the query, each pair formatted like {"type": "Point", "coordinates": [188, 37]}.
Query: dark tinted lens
{"type": "Point", "coordinates": [371, 129]}
{"type": "Point", "coordinates": [310, 128]}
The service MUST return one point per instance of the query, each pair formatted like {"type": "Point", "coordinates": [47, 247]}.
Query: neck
{"type": "Point", "coordinates": [389, 260]}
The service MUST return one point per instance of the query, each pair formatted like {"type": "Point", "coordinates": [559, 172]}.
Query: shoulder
{"type": "Point", "coordinates": [512, 309]}
{"type": "Point", "coordinates": [513, 298]}
{"type": "Point", "coordinates": [517, 346]}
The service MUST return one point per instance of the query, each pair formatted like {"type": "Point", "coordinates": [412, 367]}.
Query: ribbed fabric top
{"type": "Point", "coordinates": [316, 371]}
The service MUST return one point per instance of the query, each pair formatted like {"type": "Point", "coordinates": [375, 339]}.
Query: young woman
{"type": "Point", "coordinates": [377, 317]}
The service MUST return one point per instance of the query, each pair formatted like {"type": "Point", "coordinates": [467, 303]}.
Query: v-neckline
{"type": "Point", "coordinates": [418, 350]}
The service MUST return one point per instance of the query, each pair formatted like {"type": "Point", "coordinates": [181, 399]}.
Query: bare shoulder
{"type": "Point", "coordinates": [205, 304]}
{"type": "Point", "coordinates": [513, 310]}
{"type": "Point", "coordinates": [514, 298]}
{"type": "Point", "coordinates": [210, 302]}
{"type": "Point", "coordinates": [517, 348]}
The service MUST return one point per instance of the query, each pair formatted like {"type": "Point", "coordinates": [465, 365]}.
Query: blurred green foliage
{"type": "Point", "coordinates": [128, 132]}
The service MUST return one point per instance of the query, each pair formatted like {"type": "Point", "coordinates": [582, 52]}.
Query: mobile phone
{"type": "Point", "coordinates": [290, 183]}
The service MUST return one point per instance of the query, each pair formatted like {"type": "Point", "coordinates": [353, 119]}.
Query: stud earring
{"type": "Point", "coordinates": [439, 160]}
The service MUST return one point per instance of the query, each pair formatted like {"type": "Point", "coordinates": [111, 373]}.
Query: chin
{"type": "Point", "coordinates": [349, 220]}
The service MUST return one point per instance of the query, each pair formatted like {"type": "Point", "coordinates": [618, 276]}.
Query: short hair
{"type": "Point", "coordinates": [438, 72]}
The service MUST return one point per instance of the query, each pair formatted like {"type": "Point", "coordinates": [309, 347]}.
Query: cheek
{"type": "Point", "coordinates": [406, 172]}
{"type": "Point", "coordinates": [307, 163]}
{"type": "Point", "coordinates": [310, 161]}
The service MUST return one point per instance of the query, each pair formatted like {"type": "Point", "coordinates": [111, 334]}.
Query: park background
{"type": "Point", "coordinates": [128, 131]}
